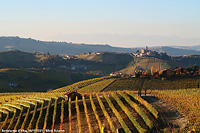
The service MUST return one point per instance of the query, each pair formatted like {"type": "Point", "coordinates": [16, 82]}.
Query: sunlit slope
{"type": "Point", "coordinates": [185, 101]}
{"type": "Point", "coordinates": [84, 84]}
{"type": "Point", "coordinates": [113, 83]}
{"type": "Point", "coordinates": [98, 86]}
{"type": "Point", "coordinates": [92, 112]}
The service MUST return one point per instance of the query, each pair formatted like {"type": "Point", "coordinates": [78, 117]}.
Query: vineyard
{"type": "Point", "coordinates": [104, 106]}
{"type": "Point", "coordinates": [148, 84]}
{"type": "Point", "coordinates": [10, 97]}
{"type": "Point", "coordinates": [186, 101]}
{"type": "Point", "coordinates": [81, 84]}
{"type": "Point", "coordinates": [133, 84]}
{"type": "Point", "coordinates": [98, 86]}
{"type": "Point", "coordinates": [102, 112]}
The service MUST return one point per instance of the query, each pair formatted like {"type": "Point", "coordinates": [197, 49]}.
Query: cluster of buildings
{"type": "Point", "coordinates": [145, 52]}
{"type": "Point", "coordinates": [178, 72]}
{"type": "Point", "coordinates": [88, 53]}
{"type": "Point", "coordinates": [181, 71]}
{"type": "Point", "coordinates": [92, 53]}
{"type": "Point", "coordinates": [167, 73]}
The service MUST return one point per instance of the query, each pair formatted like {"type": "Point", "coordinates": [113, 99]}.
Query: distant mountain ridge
{"type": "Point", "coordinates": [175, 51]}
{"type": "Point", "coordinates": [31, 45]}
{"type": "Point", "coordinates": [196, 47]}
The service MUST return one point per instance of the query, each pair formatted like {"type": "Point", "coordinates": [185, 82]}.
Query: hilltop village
{"type": "Point", "coordinates": [139, 72]}
{"type": "Point", "coordinates": [151, 73]}
{"type": "Point", "coordinates": [142, 53]}
{"type": "Point", "coordinates": [145, 63]}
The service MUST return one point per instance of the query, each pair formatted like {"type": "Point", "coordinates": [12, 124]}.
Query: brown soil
{"type": "Point", "coordinates": [93, 121]}
{"type": "Point", "coordinates": [173, 120]}
{"type": "Point", "coordinates": [74, 122]}
{"type": "Point", "coordinates": [101, 115]}
{"type": "Point", "coordinates": [111, 114]}
{"type": "Point", "coordinates": [84, 125]}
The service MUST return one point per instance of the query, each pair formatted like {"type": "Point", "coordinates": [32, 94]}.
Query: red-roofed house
{"type": "Point", "coordinates": [168, 71]}
{"type": "Point", "coordinates": [73, 95]}
{"type": "Point", "coordinates": [181, 71]}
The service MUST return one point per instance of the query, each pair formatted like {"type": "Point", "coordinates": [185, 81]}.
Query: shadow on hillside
{"type": "Point", "coordinates": [170, 120]}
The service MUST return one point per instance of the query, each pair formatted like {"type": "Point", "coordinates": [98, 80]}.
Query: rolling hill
{"type": "Point", "coordinates": [15, 58]}
{"type": "Point", "coordinates": [196, 48]}
{"type": "Point", "coordinates": [22, 71]}
{"type": "Point", "coordinates": [30, 45]}
{"type": "Point", "coordinates": [61, 48]}
{"type": "Point", "coordinates": [26, 80]}
{"type": "Point", "coordinates": [18, 59]}
{"type": "Point", "coordinates": [175, 51]}
{"type": "Point", "coordinates": [103, 63]}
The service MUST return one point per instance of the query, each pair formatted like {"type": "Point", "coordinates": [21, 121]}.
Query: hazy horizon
{"type": "Point", "coordinates": [118, 23]}
{"type": "Point", "coordinates": [98, 39]}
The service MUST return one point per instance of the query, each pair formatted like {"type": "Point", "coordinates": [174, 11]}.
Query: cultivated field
{"type": "Point", "coordinates": [187, 101]}
{"type": "Point", "coordinates": [93, 113]}
{"type": "Point", "coordinates": [104, 106]}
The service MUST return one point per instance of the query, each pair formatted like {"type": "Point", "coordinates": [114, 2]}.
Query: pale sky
{"type": "Point", "coordinates": [122, 23]}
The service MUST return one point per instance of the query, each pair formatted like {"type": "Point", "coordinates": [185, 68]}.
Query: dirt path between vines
{"type": "Point", "coordinates": [173, 120]}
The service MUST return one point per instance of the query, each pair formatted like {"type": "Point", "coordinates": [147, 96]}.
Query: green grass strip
{"type": "Point", "coordinates": [117, 114]}
{"type": "Point", "coordinates": [148, 122]}
{"type": "Point", "coordinates": [129, 114]}
{"type": "Point", "coordinates": [145, 103]}
{"type": "Point", "coordinates": [106, 114]}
